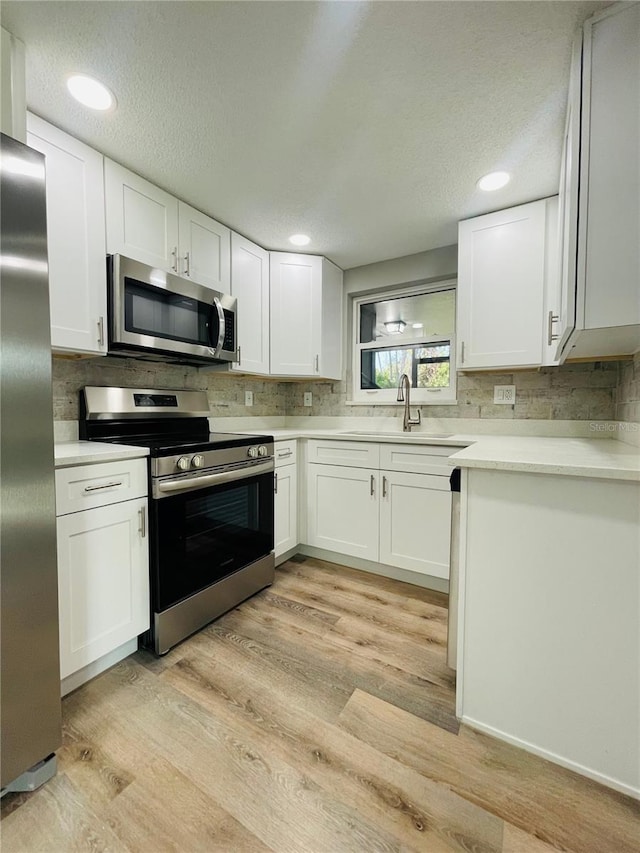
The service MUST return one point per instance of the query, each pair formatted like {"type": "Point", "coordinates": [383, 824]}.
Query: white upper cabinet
{"type": "Point", "coordinates": [149, 225]}
{"type": "Point", "coordinates": [142, 219]}
{"type": "Point", "coordinates": [250, 286]}
{"type": "Point", "coordinates": [502, 273]}
{"type": "Point", "coordinates": [568, 206]}
{"type": "Point", "coordinates": [603, 200]}
{"type": "Point", "coordinates": [76, 239]}
{"type": "Point", "coordinates": [306, 316]}
{"type": "Point", "coordinates": [205, 249]}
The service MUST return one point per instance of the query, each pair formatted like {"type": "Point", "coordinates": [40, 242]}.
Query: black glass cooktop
{"type": "Point", "coordinates": [167, 446]}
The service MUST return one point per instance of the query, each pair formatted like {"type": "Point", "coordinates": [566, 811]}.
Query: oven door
{"type": "Point", "coordinates": [202, 535]}
{"type": "Point", "coordinates": [154, 311]}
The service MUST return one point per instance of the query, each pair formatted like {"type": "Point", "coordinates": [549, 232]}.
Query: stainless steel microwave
{"type": "Point", "coordinates": [156, 315]}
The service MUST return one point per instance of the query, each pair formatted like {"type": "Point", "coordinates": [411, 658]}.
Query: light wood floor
{"type": "Point", "coordinates": [318, 716]}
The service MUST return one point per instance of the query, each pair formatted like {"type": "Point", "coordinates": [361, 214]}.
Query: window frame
{"type": "Point", "coordinates": [387, 396]}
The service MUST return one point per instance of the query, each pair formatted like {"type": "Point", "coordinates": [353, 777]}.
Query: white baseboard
{"type": "Point", "coordinates": [622, 787]}
{"type": "Point", "coordinates": [286, 555]}
{"type": "Point", "coordinates": [415, 578]}
{"type": "Point", "coordinates": [77, 679]}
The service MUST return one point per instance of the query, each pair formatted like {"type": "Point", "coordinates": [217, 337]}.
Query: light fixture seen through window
{"type": "Point", "coordinates": [395, 327]}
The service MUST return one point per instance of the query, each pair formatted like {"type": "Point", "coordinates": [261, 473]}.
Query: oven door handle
{"type": "Point", "coordinates": [164, 488]}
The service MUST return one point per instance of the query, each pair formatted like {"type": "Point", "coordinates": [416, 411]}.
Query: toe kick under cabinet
{"type": "Point", "coordinates": [385, 503]}
{"type": "Point", "coordinates": [103, 565]}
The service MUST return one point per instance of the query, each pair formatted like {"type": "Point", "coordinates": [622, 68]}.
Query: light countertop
{"type": "Point", "coordinates": [578, 457]}
{"type": "Point", "coordinates": [69, 453]}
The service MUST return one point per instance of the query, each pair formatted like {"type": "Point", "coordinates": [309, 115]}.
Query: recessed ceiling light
{"type": "Point", "coordinates": [299, 239]}
{"type": "Point", "coordinates": [494, 181]}
{"type": "Point", "coordinates": [91, 93]}
{"type": "Point", "coordinates": [417, 325]}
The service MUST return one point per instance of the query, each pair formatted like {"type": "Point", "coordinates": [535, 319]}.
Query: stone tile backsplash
{"type": "Point", "coordinates": [224, 390]}
{"type": "Point", "coordinates": [569, 392]}
{"type": "Point", "coordinates": [628, 391]}
{"type": "Point", "coordinates": [596, 391]}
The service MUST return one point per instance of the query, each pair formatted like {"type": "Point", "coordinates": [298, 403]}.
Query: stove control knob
{"type": "Point", "coordinates": [197, 461]}
{"type": "Point", "coordinates": [262, 450]}
{"type": "Point", "coordinates": [183, 463]}
{"type": "Point", "coordinates": [253, 452]}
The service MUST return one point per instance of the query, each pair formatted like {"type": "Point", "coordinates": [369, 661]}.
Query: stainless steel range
{"type": "Point", "coordinates": [211, 500]}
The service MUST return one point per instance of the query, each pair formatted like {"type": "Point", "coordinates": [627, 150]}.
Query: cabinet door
{"type": "Point", "coordinates": [296, 314]}
{"type": "Point", "coordinates": [330, 366]}
{"type": "Point", "coordinates": [205, 249]}
{"type": "Point", "coordinates": [76, 243]}
{"type": "Point", "coordinates": [286, 508]}
{"type": "Point", "coordinates": [415, 523]}
{"type": "Point", "coordinates": [142, 220]}
{"type": "Point", "coordinates": [609, 218]}
{"type": "Point", "coordinates": [568, 206]}
{"type": "Point", "coordinates": [500, 288]}
{"type": "Point", "coordinates": [103, 581]}
{"type": "Point", "coordinates": [250, 286]}
{"type": "Point", "coordinates": [343, 510]}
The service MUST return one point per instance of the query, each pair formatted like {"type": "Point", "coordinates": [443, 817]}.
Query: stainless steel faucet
{"type": "Point", "coordinates": [407, 420]}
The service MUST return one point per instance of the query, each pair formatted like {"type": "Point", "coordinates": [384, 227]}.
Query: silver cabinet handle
{"type": "Point", "coordinates": [462, 353]}
{"type": "Point", "coordinates": [284, 454]}
{"type": "Point", "coordinates": [275, 482]}
{"type": "Point", "coordinates": [103, 486]}
{"type": "Point", "coordinates": [101, 331]}
{"type": "Point", "coordinates": [372, 485]}
{"type": "Point", "coordinates": [142, 528]}
{"type": "Point", "coordinates": [317, 364]}
{"type": "Point", "coordinates": [174, 254]}
{"type": "Point", "coordinates": [164, 488]}
{"type": "Point", "coordinates": [553, 318]}
{"type": "Point", "coordinates": [384, 487]}
{"type": "Point", "coordinates": [187, 264]}
{"type": "Point", "coordinates": [239, 356]}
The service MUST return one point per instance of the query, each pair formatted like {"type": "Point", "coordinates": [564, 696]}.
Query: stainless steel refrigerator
{"type": "Point", "coordinates": [29, 651]}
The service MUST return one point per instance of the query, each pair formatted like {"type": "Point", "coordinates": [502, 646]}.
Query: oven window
{"type": "Point", "coordinates": [203, 536]}
{"type": "Point", "coordinates": [162, 314]}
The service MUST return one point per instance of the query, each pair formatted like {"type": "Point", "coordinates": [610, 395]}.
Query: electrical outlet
{"type": "Point", "coordinates": [248, 398]}
{"type": "Point", "coordinates": [308, 398]}
{"type": "Point", "coordinates": [504, 395]}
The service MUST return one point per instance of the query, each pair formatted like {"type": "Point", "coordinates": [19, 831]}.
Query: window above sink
{"type": "Point", "coordinates": [408, 331]}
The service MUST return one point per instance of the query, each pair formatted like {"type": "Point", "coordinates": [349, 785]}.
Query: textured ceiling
{"type": "Point", "coordinates": [364, 125]}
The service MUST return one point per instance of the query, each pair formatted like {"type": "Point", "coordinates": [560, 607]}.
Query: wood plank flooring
{"type": "Point", "coordinates": [318, 716]}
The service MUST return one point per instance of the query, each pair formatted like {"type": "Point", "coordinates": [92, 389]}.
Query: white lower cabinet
{"type": "Point", "coordinates": [285, 485]}
{"type": "Point", "coordinates": [343, 510]}
{"type": "Point", "coordinates": [395, 518]}
{"type": "Point", "coordinates": [286, 509]}
{"type": "Point", "coordinates": [415, 523]}
{"type": "Point", "coordinates": [103, 581]}
{"type": "Point", "coordinates": [103, 568]}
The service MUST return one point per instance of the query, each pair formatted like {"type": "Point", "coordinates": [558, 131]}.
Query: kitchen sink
{"type": "Point", "coordinates": [396, 434]}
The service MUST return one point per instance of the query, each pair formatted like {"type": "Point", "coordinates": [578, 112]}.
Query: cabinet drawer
{"type": "Point", "coordinates": [90, 486]}
{"type": "Point", "coordinates": [414, 459]}
{"type": "Point", "coordinates": [285, 452]}
{"type": "Point", "coordinates": [352, 454]}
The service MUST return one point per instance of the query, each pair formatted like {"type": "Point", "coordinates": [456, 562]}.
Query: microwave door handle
{"type": "Point", "coordinates": [216, 310]}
